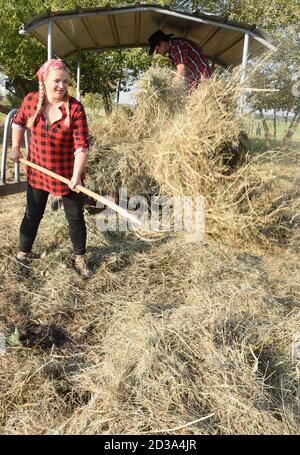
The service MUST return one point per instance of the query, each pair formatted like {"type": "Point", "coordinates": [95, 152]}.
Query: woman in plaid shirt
{"type": "Point", "coordinates": [59, 142]}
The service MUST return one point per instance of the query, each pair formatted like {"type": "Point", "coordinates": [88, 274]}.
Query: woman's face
{"type": "Point", "coordinates": [56, 83]}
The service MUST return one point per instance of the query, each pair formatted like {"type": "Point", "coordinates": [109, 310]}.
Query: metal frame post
{"type": "Point", "coordinates": [5, 146]}
{"type": "Point", "coordinates": [244, 68]}
{"type": "Point", "coordinates": [245, 57]}
{"type": "Point", "coordinates": [78, 95]}
{"type": "Point", "coordinates": [49, 42]}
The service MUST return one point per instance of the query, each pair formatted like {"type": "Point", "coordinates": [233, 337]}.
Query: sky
{"type": "Point", "coordinates": [128, 97]}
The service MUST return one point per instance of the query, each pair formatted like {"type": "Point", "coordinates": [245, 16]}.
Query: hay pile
{"type": "Point", "coordinates": [175, 145]}
{"type": "Point", "coordinates": [166, 337]}
{"type": "Point", "coordinates": [180, 142]}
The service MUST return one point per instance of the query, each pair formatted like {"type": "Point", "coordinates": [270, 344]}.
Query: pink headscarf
{"type": "Point", "coordinates": [44, 70]}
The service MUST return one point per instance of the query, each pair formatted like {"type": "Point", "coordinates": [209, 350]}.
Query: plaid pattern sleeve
{"type": "Point", "coordinates": [53, 146]}
{"type": "Point", "coordinates": [21, 116]}
{"type": "Point", "coordinates": [184, 51]}
{"type": "Point", "coordinates": [80, 130]}
{"type": "Point", "coordinates": [178, 52]}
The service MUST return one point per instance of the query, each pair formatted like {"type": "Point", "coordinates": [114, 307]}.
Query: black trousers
{"type": "Point", "coordinates": [36, 204]}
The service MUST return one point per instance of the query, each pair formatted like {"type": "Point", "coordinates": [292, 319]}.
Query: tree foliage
{"type": "Point", "coordinates": [106, 72]}
{"type": "Point", "coordinates": [270, 15]}
{"type": "Point", "coordinates": [21, 56]}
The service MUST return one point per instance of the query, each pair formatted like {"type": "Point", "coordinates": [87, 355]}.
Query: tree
{"type": "Point", "coordinates": [108, 72]}
{"type": "Point", "coordinates": [102, 71]}
{"type": "Point", "coordinates": [268, 15]}
{"type": "Point", "coordinates": [279, 72]}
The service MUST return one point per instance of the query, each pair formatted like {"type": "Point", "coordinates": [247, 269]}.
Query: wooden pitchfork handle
{"type": "Point", "coordinates": [86, 191]}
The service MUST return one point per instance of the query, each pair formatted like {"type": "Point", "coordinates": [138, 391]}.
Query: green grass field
{"type": "Point", "coordinates": [258, 143]}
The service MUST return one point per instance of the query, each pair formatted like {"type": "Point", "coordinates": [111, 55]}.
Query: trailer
{"type": "Point", "coordinates": [65, 33]}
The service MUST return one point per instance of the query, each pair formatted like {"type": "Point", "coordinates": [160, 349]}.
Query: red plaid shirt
{"type": "Point", "coordinates": [53, 147]}
{"type": "Point", "coordinates": [196, 65]}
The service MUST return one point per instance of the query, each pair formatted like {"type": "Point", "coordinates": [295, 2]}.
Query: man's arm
{"type": "Point", "coordinates": [179, 59]}
{"type": "Point", "coordinates": [180, 73]}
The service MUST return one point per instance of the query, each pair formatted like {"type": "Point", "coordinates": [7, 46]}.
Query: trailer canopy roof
{"type": "Point", "coordinates": [85, 29]}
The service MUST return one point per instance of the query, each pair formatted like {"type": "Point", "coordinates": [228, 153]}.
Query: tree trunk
{"type": "Point", "coordinates": [107, 104]}
{"type": "Point", "coordinates": [119, 90]}
{"type": "Point", "coordinates": [266, 129]}
{"type": "Point", "coordinates": [5, 109]}
{"type": "Point", "coordinates": [289, 133]}
{"type": "Point", "coordinates": [286, 118]}
{"type": "Point", "coordinates": [251, 124]}
{"type": "Point", "coordinates": [275, 126]}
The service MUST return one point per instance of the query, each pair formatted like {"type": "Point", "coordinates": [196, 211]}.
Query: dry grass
{"type": "Point", "coordinates": [166, 337]}
{"type": "Point", "coordinates": [158, 338]}
{"type": "Point", "coordinates": [175, 146]}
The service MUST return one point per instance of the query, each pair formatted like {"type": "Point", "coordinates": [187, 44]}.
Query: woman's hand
{"type": "Point", "coordinates": [15, 154]}
{"type": "Point", "coordinates": [75, 180]}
